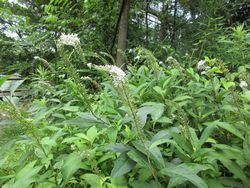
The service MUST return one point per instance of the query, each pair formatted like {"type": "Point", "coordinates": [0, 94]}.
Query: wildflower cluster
{"type": "Point", "coordinates": [173, 61]}
{"type": "Point", "coordinates": [243, 84]}
{"type": "Point", "coordinates": [117, 74]}
{"type": "Point", "coordinates": [36, 57]}
{"type": "Point", "coordinates": [202, 66]}
{"type": "Point", "coordinates": [70, 39]}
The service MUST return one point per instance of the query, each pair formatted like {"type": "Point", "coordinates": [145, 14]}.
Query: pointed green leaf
{"type": "Point", "coordinates": [92, 179]}
{"type": "Point", "coordinates": [26, 175]}
{"type": "Point", "coordinates": [71, 165]}
{"type": "Point", "coordinates": [92, 134]}
{"type": "Point", "coordinates": [185, 172]}
{"type": "Point", "coordinates": [122, 166]}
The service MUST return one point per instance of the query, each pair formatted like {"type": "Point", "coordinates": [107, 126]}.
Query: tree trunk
{"type": "Point", "coordinates": [146, 20]}
{"type": "Point", "coordinates": [174, 30]}
{"type": "Point", "coordinates": [192, 5]}
{"type": "Point", "coordinates": [122, 36]}
{"type": "Point", "coordinates": [164, 21]}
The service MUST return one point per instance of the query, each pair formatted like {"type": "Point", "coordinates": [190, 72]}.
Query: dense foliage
{"type": "Point", "coordinates": [178, 116]}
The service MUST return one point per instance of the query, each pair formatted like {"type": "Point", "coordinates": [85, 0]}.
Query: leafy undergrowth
{"type": "Point", "coordinates": [166, 125]}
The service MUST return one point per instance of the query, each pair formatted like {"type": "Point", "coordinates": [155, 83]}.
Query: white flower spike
{"type": "Point", "coordinates": [201, 65]}
{"type": "Point", "coordinates": [243, 84]}
{"type": "Point", "coordinates": [173, 61]}
{"type": "Point", "coordinates": [36, 57]}
{"type": "Point", "coordinates": [89, 65]}
{"type": "Point", "coordinates": [117, 74]}
{"type": "Point", "coordinates": [70, 39]}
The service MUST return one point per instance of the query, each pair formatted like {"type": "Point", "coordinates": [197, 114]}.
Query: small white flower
{"type": "Point", "coordinates": [70, 39]}
{"type": "Point", "coordinates": [36, 57]}
{"type": "Point", "coordinates": [160, 62]}
{"type": "Point", "coordinates": [117, 74]}
{"type": "Point", "coordinates": [170, 58]}
{"type": "Point", "coordinates": [201, 65]}
{"type": "Point", "coordinates": [173, 61]}
{"type": "Point", "coordinates": [89, 65]}
{"type": "Point", "coordinates": [52, 49]}
{"type": "Point", "coordinates": [243, 84]}
{"type": "Point", "coordinates": [73, 147]}
{"type": "Point", "coordinates": [85, 78]}
{"type": "Point", "coordinates": [137, 58]}
{"type": "Point", "coordinates": [203, 72]}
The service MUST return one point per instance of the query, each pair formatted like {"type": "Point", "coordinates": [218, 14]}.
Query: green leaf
{"type": "Point", "coordinates": [3, 79]}
{"type": "Point", "coordinates": [161, 134]}
{"type": "Point", "coordinates": [236, 170]}
{"type": "Point", "coordinates": [246, 95]}
{"type": "Point", "coordinates": [205, 135]}
{"type": "Point", "coordinates": [166, 83]}
{"type": "Point", "coordinates": [46, 185]}
{"type": "Point", "coordinates": [92, 179]}
{"type": "Point", "coordinates": [224, 125]}
{"type": "Point", "coordinates": [214, 70]}
{"type": "Point", "coordinates": [226, 84]}
{"type": "Point", "coordinates": [193, 138]}
{"type": "Point", "coordinates": [182, 142]}
{"type": "Point", "coordinates": [70, 108]}
{"type": "Point", "coordinates": [85, 120]}
{"type": "Point", "coordinates": [214, 183]}
{"type": "Point", "coordinates": [229, 182]}
{"type": "Point", "coordinates": [71, 165]}
{"type": "Point", "coordinates": [227, 152]}
{"type": "Point", "coordinates": [182, 98]}
{"type": "Point", "coordinates": [138, 89]}
{"type": "Point", "coordinates": [164, 120]}
{"type": "Point", "coordinates": [153, 153]}
{"type": "Point", "coordinates": [112, 134]}
{"type": "Point", "coordinates": [246, 147]}
{"type": "Point", "coordinates": [92, 134]}
{"type": "Point", "coordinates": [154, 109]}
{"type": "Point", "coordinates": [159, 90]}
{"type": "Point", "coordinates": [185, 172]}
{"type": "Point", "coordinates": [51, 19]}
{"type": "Point", "coordinates": [119, 182]}
{"type": "Point", "coordinates": [164, 140]}
{"type": "Point", "coordinates": [142, 184]}
{"type": "Point", "coordinates": [122, 166]}
{"type": "Point", "coordinates": [118, 147]}
{"type": "Point", "coordinates": [26, 175]}
{"type": "Point", "coordinates": [138, 158]}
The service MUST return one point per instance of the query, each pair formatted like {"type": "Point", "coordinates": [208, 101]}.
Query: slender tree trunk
{"type": "Point", "coordinates": [192, 8]}
{"type": "Point", "coordinates": [146, 20]}
{"type": "Point", "coordinates": [122, 36]}
{"type": "Point", "coordinates": [174, 25]}
{"type": "Point", "coordinates": [163, 19]}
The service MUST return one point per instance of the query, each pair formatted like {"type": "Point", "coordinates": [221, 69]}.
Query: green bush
{"type": "Point", "coordinates": [167, 125]}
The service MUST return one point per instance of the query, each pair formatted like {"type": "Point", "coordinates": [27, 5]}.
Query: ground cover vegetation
{"type": "Point", "coordinates": [126, 94]}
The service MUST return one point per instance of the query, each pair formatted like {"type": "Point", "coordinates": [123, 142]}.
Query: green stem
{"type": "Point", "coordinates": [139, 131]}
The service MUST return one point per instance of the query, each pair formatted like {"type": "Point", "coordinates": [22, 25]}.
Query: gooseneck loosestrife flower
{"type": "Point", "coordinates": [202, 66]}
{"type": "Point", "coordinates": [243, 84]}
{"type": "Point", "coordinates": [117, 74]}
{"type": "Point", "coordinates": [70, 39]}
